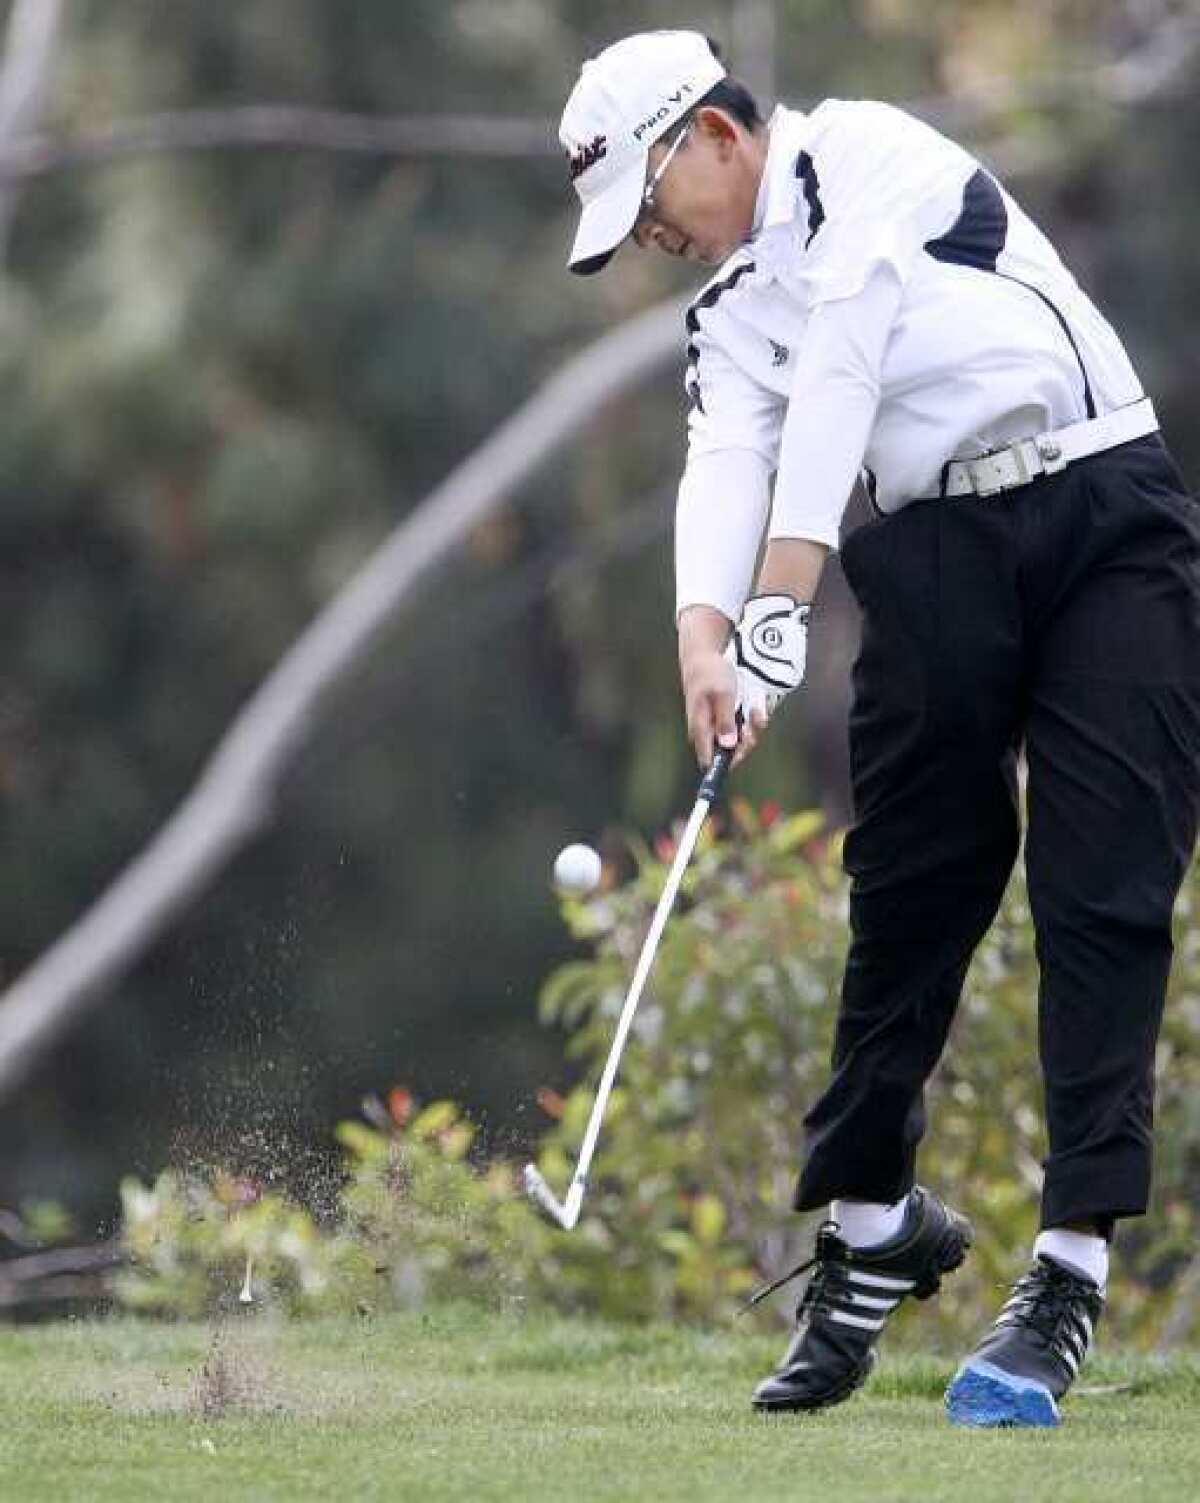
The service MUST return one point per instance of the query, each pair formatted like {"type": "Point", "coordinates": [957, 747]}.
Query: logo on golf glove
{"type": "Point", "coordinates": [768, 651]}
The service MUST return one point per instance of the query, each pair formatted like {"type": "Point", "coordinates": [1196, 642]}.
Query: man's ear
{"type": "Point", "coordinates": [719, 126]}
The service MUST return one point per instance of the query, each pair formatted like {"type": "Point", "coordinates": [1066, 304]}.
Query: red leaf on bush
{"type": "Point", "coordinates": [551, 1103]}
{"type": "Point", "coordinates": [400, 1105]}
{"type": "Point", "coordinates": [768, 813]}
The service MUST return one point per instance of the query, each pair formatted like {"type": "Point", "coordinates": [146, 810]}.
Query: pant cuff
{"type": "Point", "coordinates": [814, 1190]}
{"type": "Point", "coordinates": [1101, 1188]}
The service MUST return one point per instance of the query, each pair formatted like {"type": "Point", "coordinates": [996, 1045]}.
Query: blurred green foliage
{"type": "Point", "coordinates": [192, 1241]}
{"type": "Point", "coordinates": [688, 1203]}
{"type": "Point", "coordinates": [731, 1050]}
{"type": "Point", "coordinates": [225, 376]}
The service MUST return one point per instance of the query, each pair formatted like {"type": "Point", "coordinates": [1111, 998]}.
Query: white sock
{"type": "Point", "coordinates": [863, 1223]}
{"type": "Point", "coordinates": [1085, 1253]}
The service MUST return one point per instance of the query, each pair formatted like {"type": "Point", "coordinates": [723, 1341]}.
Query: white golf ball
{"type": "Point", "coordinates": [577, 869]}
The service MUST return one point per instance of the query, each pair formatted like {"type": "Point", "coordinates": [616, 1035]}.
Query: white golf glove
{"type": "Point", "coordinates": [768, 651]}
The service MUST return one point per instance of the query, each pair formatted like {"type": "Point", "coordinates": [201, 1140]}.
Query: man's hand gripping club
{"type": "Point", "coordinates": [734, 677]}
{"type": "Point", "coordinates": [733, 681]}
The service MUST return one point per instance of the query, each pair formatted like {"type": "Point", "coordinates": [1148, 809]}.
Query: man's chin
{"type": "Point", "coordinates": [708, 256]}
{"type": "Point", "coordinates": [700, 255]}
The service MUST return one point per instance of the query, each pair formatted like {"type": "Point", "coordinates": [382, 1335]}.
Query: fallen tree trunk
{"type": "Point", "coordinates": [60, 1273]}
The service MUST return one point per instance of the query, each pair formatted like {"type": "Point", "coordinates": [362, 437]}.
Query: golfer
{"type": "Point", "coordinates": [882, 307]}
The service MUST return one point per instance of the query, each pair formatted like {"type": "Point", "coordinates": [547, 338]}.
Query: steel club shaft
{"type": "Point", "coordinates": [567, 1212]}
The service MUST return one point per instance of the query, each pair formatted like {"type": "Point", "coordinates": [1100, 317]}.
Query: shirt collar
{"type": "Point", "coordinates": [776, 202]}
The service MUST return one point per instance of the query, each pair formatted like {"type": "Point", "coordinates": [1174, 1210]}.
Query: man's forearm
{"type": "Point", "coordinates": [792, 566]}
{"type": "Point", "coordinates": [702, 628]}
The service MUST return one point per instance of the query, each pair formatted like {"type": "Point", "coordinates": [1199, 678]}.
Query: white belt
{"type": "Point", "coordinates": [1049, 453]}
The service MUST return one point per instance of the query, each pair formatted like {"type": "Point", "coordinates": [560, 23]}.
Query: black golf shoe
{"type": "Point", "coordinates": [850, 1297]}
{"type": "Point", "coordinates": [1028, 1360]}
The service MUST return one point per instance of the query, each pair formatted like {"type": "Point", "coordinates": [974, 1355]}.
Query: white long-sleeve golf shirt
{"type": "Point", "coordinates": [893, 310]}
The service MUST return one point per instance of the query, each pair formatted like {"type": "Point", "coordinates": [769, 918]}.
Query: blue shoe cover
{"type": "Point", "coordinates": [983, 1395]}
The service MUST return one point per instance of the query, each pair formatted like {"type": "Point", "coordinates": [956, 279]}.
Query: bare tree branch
{"type": "Point", "coordinates": [1156, 70]}
{"type": "Point", "coordinates": [24, 77]}
{"type": "Point", "coordinates": [235, 795]}
{"type": "Point", "coordinates": [1159, 67]}
{"type": "Point", "coordinates": [287, 126]}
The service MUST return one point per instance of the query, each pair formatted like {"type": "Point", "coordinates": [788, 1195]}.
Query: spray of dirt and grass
{"type": "Point", "coordinates": [456, 1403]}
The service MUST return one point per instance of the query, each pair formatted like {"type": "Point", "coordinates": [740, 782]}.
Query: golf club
{"type": "Point", "coordinates": [566, 1212]}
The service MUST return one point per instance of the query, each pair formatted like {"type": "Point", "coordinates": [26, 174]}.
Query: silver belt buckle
{"type": "Point", "coordinates": [985, 475]}
{"type": "Point", "coordinates": [1005, 469]}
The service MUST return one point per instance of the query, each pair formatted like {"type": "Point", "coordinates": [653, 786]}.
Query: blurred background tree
{"type": "Point", "coordinates": [225, 376]}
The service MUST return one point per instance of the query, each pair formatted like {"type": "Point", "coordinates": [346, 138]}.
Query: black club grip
{"type": "Point", "coordinates": [714, 778]}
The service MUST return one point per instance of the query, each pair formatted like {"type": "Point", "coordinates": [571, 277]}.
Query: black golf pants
{"type": "Point", "coordinates": [1064, 616]}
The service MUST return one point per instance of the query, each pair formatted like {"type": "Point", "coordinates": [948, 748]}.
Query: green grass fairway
{"type": "Point", "coordinates": [454, 1404]}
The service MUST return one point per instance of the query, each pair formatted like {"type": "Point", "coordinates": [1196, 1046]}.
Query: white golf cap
{"type": "Point", "coordinates": [624, 101]}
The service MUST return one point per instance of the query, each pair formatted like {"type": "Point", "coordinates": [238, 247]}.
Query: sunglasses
{"type": "Point", "coordinates": [657, 177]}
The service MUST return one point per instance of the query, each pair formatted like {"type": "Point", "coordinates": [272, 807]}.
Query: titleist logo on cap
{"type": "Point", "coordinates": [587, 156]}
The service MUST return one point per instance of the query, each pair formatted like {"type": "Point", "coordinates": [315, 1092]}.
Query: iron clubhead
{"type": "Point", "coordinates": [543, 1196]}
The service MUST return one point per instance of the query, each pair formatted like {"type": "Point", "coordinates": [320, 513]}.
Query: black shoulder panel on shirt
{"type": "Point", "coordinates": [977, 236]}
{"type": "Point", "coordinates": [807, 173]}
{"type": "Point", "coordinates": [708, 299]}
{"type": "Point", "coordinates": [976, 239]}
